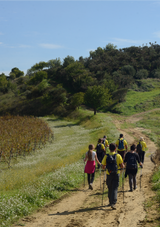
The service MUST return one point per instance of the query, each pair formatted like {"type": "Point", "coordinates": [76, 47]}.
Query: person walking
{"type": "Point", "coordinates": [121, 145]}
{"type": "Point", "coordinates": [105, 142]}
{"type": "Point", "coordinates": [112, 162]}
{"type": "Point", "coordinates": [131, 159]}
{"type": "Point", "coordinates": [100, 150]}
{"type": "Point", "coordinates": [141, 147]}
{"type": "Point", "coordinates": [90, 157]}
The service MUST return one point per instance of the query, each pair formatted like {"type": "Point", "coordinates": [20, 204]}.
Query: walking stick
{"type": "Point", "coordinates": [123, 183]}
{"type": "Point", "coordinates": [103, 184]}
{"type": "Point", "coordinates": [140, 178]}
{"type": "Point", "coordinates": [100, 176]}
{"type": "Point", "coordinates": [84, 174]}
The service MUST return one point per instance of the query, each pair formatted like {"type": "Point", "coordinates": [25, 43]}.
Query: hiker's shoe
{"type": "Point", "coordinates": [135, 187]}
{"type": "Point", "coordinates": [131, 190]}
{"type": "Point", "coordinates": [113, 206]}
{"type": "Point", "coordinates": [91, 187]}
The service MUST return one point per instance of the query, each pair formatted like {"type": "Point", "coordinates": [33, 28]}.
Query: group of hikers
{"type": "Point", "coordinates": [114, 160]}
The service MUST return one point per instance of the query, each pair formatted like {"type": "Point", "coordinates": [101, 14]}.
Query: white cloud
{"type": "Point", "coordinates": [0, 43]}
{"type": "Point", "coordinates": [157, 34]}
{"type": "Point", "coordinates": [50, 46]}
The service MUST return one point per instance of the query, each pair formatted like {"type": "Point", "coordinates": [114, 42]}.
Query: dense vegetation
{"type": "Point", "coordinates": [20, 136]}
{"type": "Point", "coordinates": [59, 88]}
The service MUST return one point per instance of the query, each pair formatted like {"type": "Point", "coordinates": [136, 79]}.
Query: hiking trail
{"type": "Point", "coordinates": [83, 207]}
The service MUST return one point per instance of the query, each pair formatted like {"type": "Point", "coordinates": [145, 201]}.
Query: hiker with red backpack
{"type": "Point", "coordinates": [141, 146]}
{"type": "Point", "coordinates": [131, 159]}
{"type": "Point", "coordinates": [90, 157]}
{"type": "Point", "coordinates": [100, 150]}
{"type": "Point", "coordinates": [121, 145]}
{"type": "Point", "coordinates": [112, 162]}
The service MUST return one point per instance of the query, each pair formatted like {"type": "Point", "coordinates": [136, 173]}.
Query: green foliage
{"type": "Point", "coordinates": [77, 99]}
{"type": "Point", "coordinates": [156, 73]}
{"type": "Point", "coordinates": [37, 78]}
{"type": "Point", "coordinates": [115, 69]}
{"type": "Point", "coordinates": [54, 63]}
{"type": "Point", "coordinates": [137, 102]}
{"type": "Point", "coordinates": [97, 97]}
{"type": "Point", "coordinates": [77, 77]}
{"type": "Point", "coordinates": [110, 47]}
{"type": "Point", "coordinates": [43, 85]}
{"type": "Point", "coordinates": [3, 83]}
{"type": "Point", "coordinates": [56, 96]}
{"type": "Point", "coordinates": [68, 60]}
{"type": "Point", "coordinates": [142, 74]}
{"type": "Point", "coordinates": [128, 70]}
{"type": "Point", "coordinates": [15, 73]}
{"type": "Point", "coordinates": [37, 67]}
{"type": "Point", "coordinates": [120, 94]}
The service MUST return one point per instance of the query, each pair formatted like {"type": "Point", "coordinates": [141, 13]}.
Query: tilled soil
{"type": "Point", "coordinates": [83, 207]}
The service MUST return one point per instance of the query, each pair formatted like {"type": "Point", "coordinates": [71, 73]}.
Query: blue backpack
{"type": "Point", "coordinates": [121, 144]}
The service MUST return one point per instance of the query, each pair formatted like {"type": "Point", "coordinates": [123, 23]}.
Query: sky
{"type": "Point", "coordinates": [34, 31]}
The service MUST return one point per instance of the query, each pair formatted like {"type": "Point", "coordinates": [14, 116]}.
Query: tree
{"type": "Point", "coordinates": [142, 74]}
{"type": "Point", "coordinates": [77, 99]}
{"type": "Point", "coordinates": [37, 67]}
{"type": "Point", "coordinates": [128, 70]}
{"type": "Point", "coordinates": [110, 46]}
{"type": "Point", "coordinates": [54, 63]}
{"type": "Point", "coordinates": [97, 97]}
{"type": "Point", "coordinates": [77, 77]}
{"type": "Point", "coordinates": [68, 60]}
{"type": "Point", "coordinates": [3, 83]}
{"type": "Point", "coordinates": [15, 73]}
{"type": "Point", "coordinates": [38, 77]}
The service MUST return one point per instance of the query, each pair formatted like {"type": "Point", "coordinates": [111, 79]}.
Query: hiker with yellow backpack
{"type": "Point", "coordinates": [121, 145]}
{"type": "Point", "coordinates": [141, 147]}
{"type": "Point", "coordinates": [105, 142]}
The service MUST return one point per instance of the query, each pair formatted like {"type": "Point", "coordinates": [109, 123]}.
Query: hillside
{"type": "Point", "coordinates": [56, 87]}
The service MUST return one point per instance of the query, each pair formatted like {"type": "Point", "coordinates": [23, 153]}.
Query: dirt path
{"type": "Point", "coordinates": [83, 208]}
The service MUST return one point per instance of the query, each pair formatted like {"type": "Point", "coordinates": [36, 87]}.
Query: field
{"type": "Point", "coordinates": [83, 207]}
{"type": "Point", "coordinates": [52, 170]}
{"type": "Point", "coordinates": [55, 169]}
{"type": "Point", "coordinates": [20, 136]}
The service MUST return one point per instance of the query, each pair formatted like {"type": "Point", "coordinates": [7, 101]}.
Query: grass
{"type": "Point", "coordinates": [151, 121]}
{"type": "Point", "coordinates": [54, 170]}
{"type": "Point", "coordinates": [58, 167]}
{"type": "Point", "coordinates": [137, 102]}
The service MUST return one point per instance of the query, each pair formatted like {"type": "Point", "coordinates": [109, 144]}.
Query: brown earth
{"type": "Point", "coordinates": [83, 207]}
